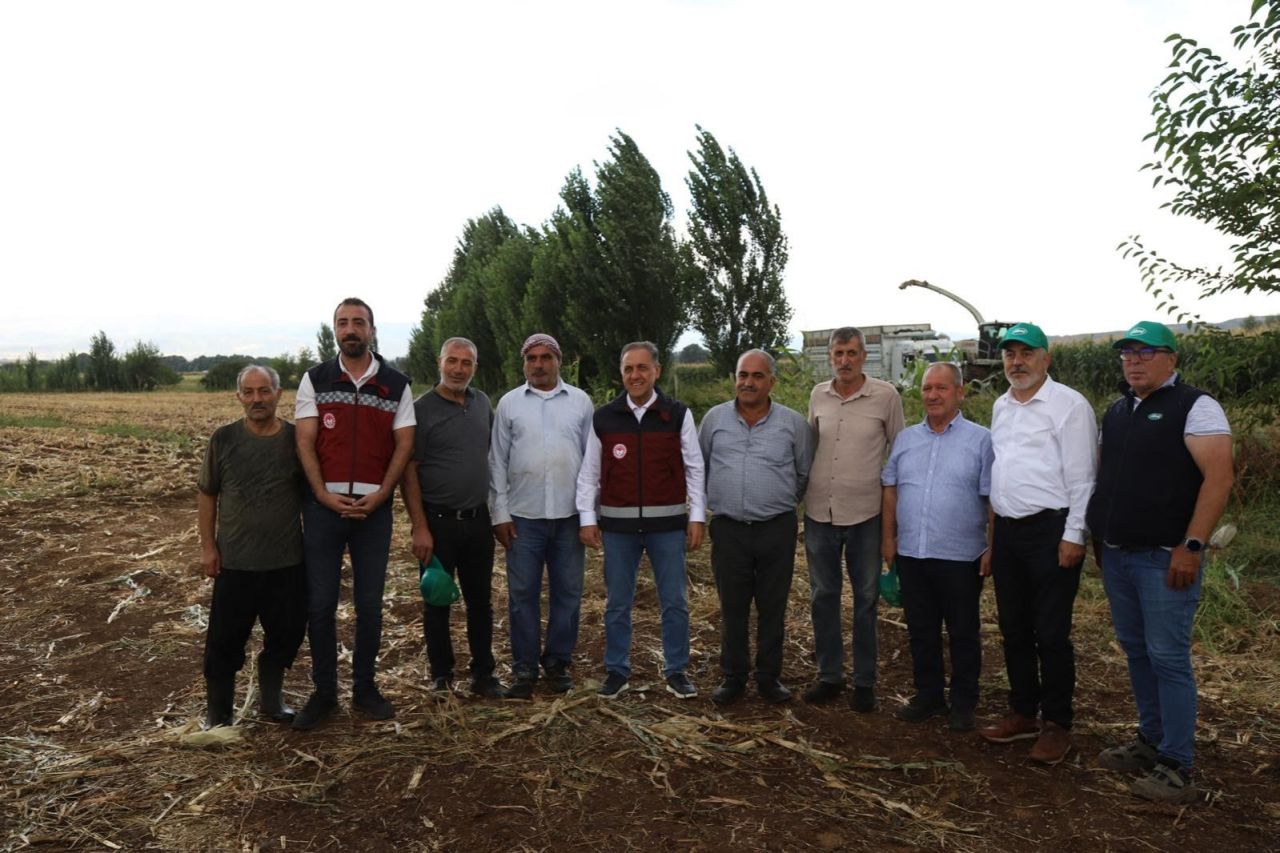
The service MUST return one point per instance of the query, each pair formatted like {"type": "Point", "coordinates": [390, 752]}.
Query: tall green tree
{"type": "Point", "coordinates": [143, 369]}
{"type": "Point", "coordinates": [1217, 144]}
{"type": "Point", "coordinates": [739, 251]}
{"type": "Point", "coordinates": [104, 364]}
{"type": "Point", "coordinates": [624, 278]}
{"type": "Point", "coordinates": [458, 305]}
{"type": "Point", "coordinates": [326, 344]}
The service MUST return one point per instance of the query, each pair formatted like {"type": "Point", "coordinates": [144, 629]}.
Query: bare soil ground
{"type": "Point", "coordinates": [102, 609]}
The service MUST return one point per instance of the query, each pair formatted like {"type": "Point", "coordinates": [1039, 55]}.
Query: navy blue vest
{"type": "Point", "coordinates": [1148, 481]}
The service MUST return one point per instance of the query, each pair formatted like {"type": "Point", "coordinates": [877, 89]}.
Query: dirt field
{"type": "Point", "coordinates": [103, 612]}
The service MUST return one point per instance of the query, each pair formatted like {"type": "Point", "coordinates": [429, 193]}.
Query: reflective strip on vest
{"type": "Point", "coordinates": [637, 511]}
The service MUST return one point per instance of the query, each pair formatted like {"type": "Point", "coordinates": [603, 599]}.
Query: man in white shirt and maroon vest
{"type": "Point", "coordinates": [355, 425]}
{"type": "Point", "coordinates": [1163, 482]}
{"type": "Point", "coordinates": [642, 464]}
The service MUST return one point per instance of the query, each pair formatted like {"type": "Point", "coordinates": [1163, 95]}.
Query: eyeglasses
{"type": "Point", "coordinates": [1141, 353]}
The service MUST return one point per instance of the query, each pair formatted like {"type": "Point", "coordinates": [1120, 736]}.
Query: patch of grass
{"type": "Point", "coordinates": [1226, 619]}
{"type": "Point", "coordinates": [33, 421]}
{"type": "Point", "coordinates": [142, 433]}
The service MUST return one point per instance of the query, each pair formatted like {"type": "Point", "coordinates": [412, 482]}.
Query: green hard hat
{"type": "Point", "coordinates": [436, 584]}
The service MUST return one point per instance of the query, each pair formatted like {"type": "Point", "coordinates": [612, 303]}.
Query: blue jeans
{"type": "Point", "coordinates": [1153, 625]}
{"type": "Point", "coordinates": [621, 561]}
{"type": "Point", "coordinates": [860, 544]}
{"type": "Point", "coordinates": [552, 542]}
{"type": "Point", "coordinates": [325, 535]}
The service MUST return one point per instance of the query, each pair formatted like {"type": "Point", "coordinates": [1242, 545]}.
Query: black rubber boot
{"type": "Point", "coordinates": [220, 695]}
{"type": "Point", "coordinates": [270, 695]}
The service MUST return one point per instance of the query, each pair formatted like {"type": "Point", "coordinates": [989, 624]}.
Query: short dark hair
{"type": "Point", "coordinates": [352, 300]}
{"type": "Point", "coordinates": [844, 334]}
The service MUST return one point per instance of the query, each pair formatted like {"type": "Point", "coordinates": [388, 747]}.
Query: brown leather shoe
{"type": "Point", "coordinates": [1053, 744]}
{"type": "Point", "coordinates": [1013, 727]}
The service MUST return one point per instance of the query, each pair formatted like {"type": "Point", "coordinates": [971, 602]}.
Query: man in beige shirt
{"type": "Point", "coordinates": [855, 418]}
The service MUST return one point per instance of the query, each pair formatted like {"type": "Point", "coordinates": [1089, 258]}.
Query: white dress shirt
{"type": "Point", "coordinates": [588, 498]}
{"type": "Point", "coordinates": [1046, 455]}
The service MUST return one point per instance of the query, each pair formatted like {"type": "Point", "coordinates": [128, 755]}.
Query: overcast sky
{"type": "Point", "coordinates": [215, 177]}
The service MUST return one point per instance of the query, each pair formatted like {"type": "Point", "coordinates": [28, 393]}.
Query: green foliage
{"type": "Point", "coordinates": [143, 369]}
{"type": "Point", "coordinates": [64, 374]}
{"type": "Point", "coordinates": [222, 376]}
{"type": "Point", "coordinates": [625, 280]}
{"type": "Point", "coordinates": [693, 354]}
{"type": "Point", "coordinates": [326, 343]}
{"type": "Point", "coordinates": [290, 367]}
{"type": "Point", "coordinates": [738, 251]}
{"type": "Point", "coordinates": [481, 298]}
{"type": "Point", "coordinates": [1218, 149]}
{"type": "Point", "coordinates": [1090, 367]}
{"type": "Point", "coordinates": [104, 365]}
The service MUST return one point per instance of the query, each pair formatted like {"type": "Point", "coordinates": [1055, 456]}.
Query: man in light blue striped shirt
{"type": "Point", "coordinates": [539, 435]}
{"type": "Point", "coordinates": [934, 524]}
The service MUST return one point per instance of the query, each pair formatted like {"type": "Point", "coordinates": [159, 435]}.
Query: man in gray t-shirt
{"type": "Point", "coordinates": [249, 511]}
{"type": "Point", "coordinates": [445, 488]}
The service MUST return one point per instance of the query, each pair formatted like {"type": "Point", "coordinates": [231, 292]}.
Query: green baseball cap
{"type": "Point", "coordinates": [436, 584]}
{"type": "Point", "coordinates": [1151, 333]}
{"type": "Point", "coordinates": [1025, 333]}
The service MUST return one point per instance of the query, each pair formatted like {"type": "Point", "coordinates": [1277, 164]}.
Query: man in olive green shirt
{"type": "Point", "coordinates": [855, 419]}
{"type": "Point", "coordinates": [249, 516]}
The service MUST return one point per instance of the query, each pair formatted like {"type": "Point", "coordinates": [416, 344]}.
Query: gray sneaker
{"type": "Point", "coordinates": [1137, 756]}
{"type": "Point", "coordinates": [1165, 784]}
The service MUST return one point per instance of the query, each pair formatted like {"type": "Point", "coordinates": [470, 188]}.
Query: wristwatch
{"type": "Point", "coordinates": [1195, 546]}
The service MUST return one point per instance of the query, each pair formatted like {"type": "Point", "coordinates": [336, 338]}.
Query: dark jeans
{"type": "Point", "coordinates": [753, 562]}
{"type": "Point", "coordinates": [464, 547]}
{"type": "Point", "coordinates": [551, 543]}
{"type": "Point", "coordinates": [824, 544]}
{"type": "Point", "coordinates": [1035, 597]}
{"type": "Point", "coordinates": [325, 536]}
{"type": "Point", "coordinates": [277, 598]}
{"type": "Point", "coordinates": [935, 592]}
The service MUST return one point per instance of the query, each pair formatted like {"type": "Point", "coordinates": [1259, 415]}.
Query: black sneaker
{"type": "Point", "coordinates": [558, 677]}
{"type": "Point", "coordinates": [488, 687]}
{"type": "Point", "coordinates": [918, 710]}
{"type": "Point", "coordinates": [822, 691]}
{"type": "Point", "coordinates": [522, 689]}
{"type": "Point", "coordinates": [772, 691]}
{"type": "Point", "coordinates": [441, 686]}
{"type": "Point", "coordinates": [679, 685]}
{"type": "Point", "coordinates": [319, 707]}
{"type": "Point", "coordinates": [961, 720]}
{"type": "Point", "coordinates": [372, 704]}
{"type": "Point", "coordinates": [615, 684]}
{"type": "Point", "coordinates": [863, 699]}
{"type": "Point", "coordinates": [729, 691]}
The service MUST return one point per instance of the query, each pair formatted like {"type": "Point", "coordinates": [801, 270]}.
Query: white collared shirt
{"type": "Point", "coordinates": [1045, 455]}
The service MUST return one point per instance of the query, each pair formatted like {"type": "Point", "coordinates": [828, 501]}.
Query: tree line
{"type": "Point", "coordinates": [143, 368]}
{"type": "Point", "coordinates": [607, 268]}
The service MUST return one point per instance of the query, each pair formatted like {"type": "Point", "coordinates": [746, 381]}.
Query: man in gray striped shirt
{"type": "Point", "coordinates": [757, 455]}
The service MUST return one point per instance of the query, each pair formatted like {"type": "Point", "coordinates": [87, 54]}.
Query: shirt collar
{"type": "Point", "coordinates": [373, 368]}
{"type": "Point", "coordinates": [546, 395]}
{"type": "Point", "coordinates": [653, 398]}
{"type": "Point", "coordinates": [959, 417]}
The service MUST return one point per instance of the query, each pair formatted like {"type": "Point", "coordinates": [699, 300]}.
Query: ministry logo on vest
{"type": "Point", "coordinates": [619, 451]}
{"type": "Point", "coordinates": [330, 420]}
{"type": "Point", "coordinates": [1155, 416]}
